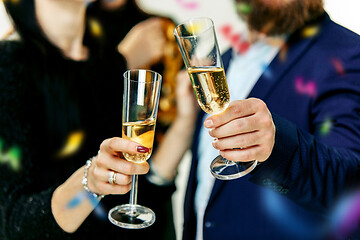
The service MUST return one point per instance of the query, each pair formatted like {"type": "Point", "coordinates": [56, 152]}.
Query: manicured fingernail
{"type": "Point", "coordinates": [142, 149]}
{"type": "Point", "coordinates": [208, 123]}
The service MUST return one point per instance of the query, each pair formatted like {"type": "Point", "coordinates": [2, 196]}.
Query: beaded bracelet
{"type": "Point", "coordinates": [85, 180]}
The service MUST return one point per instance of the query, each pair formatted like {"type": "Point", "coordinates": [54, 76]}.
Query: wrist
{"type": "Point", "coordinates": [85, 180]}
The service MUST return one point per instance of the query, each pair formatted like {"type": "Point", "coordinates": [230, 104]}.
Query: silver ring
{"type": "Point", "coordinates": [112, 177]}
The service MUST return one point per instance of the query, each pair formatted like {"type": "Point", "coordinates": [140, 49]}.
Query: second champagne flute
{"type": "Point", "coordinates": [140, 105]}
{"type": "Point", "coordinates": [198, 45]}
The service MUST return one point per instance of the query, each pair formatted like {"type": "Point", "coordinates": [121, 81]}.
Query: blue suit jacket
{"type": "Point", "coordinates": [312, 89]}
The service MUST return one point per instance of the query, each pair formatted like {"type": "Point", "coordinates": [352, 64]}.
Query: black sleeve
{"type": "Point", "coordinates": [25, 211]}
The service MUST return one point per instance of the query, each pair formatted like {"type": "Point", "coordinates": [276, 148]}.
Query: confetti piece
{"type": "Point", "coordinates": [188, 5]}
{"type": "Point", "coordinates": [238, 43]}
{"type": "Point", "coordinates": [242, 47]}
{"type": "Point", "coordinates": [308, 88]}
{"type": "Point", "coordinates": [326, 127]}
{"type": "Point", "coordinates": [76, 201]}
{"type": "Point", "coordinates": [310, 31]}
{"type": "Point", "coordinates": [95, 27]}
{"type": "Point", "coordinates": [226, 30]}
{"type": "Point", "coordinates": [73, 142]}
{"type": "Point", "coordinates": [99, 210]}
{"type": "Point", "coordinates": [12, 157]}
{"type": "Point", "coordinates": [194, 28]}
{"type": "Point", "coordinates": [339, 67]}
{"type": "Point", "coordinates": [244, 8]}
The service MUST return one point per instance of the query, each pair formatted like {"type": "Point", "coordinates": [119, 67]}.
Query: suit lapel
{"type": "Point", "coordinates": [285, 59]}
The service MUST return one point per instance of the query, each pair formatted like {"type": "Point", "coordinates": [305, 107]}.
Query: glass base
{"type": "Point", "coordinates": [131, 216]}
{"type": "Point", "coordinates": [223, 169]}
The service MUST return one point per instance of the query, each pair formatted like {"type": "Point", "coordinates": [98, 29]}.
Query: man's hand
{"type": "Point", "coordinates": [245, 131]}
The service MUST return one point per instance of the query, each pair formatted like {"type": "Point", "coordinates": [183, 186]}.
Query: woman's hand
{"type": "Point", "coordinates": [144, 45]}
{"type": "Point", "coordinates": [110, 159]}
{"type": "Point", "coordinates": [244, 132]}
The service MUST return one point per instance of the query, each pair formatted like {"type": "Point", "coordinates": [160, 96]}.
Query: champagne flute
{"type": "Point", "coordinates": [198, 45]}
{"type": "Point", "coordinates": [140, 106]}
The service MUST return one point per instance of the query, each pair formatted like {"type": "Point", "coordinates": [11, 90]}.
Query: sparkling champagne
{"type": "Point", "coordinates": [211, 88]}
{"type": "Point", "coordinates": [141, 132]}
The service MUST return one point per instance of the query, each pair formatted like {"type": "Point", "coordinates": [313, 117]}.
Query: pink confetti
{"type": "Point", "coordinates": [225, 30]}
{"type": "Point", "coordinates": [339, 67]}
{"type": "Point", "coordinates": [236, 40]}
{"type": "Point", "coordinates": [308, 88]}
{"type": "Point", "coordinates": [188, 5]}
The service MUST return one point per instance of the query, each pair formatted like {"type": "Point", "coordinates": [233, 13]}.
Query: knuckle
{"type": "Point", "coordinates": [96, 173]}
{"type": "Point", "coordinates": [258, 104]}
{"type": "Point", "coordinates": [235, 109]}
{"type": "Point", "coordinates": [99, 162]}
{"type": "Point", "coordinates": [267, 122]}
{"type": "Point", "coordinates": [112, 143]}
{"type": "Point", "coordinates": [104, 143]}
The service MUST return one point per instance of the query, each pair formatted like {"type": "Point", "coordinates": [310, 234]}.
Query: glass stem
{"type": "Point", "coordinates": [133, 192]}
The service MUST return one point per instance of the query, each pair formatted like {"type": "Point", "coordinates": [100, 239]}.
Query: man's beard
{"type": "Point", "coordinates": [277, 17]}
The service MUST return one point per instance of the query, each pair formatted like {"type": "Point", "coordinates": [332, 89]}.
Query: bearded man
{"type": "Point", "coordinates": [295, 108]}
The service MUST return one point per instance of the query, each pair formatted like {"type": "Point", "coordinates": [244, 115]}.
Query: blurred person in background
{"type": "Point", "coordinates": [108, 22]}
{"type": "Point", "coordinates": [60, 104]}
{"type": "Point", "coordinates": [299, 75]}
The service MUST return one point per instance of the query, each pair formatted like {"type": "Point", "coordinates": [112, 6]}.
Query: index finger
{"type": "Point", "coordinates": [116, 144]}
{"type": "Point", "coordinates": [236, 109]}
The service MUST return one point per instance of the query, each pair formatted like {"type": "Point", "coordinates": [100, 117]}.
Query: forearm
{"type": "Point", "coordinates": [311, 173]}
{"type": "Point", "coordinates": [170, 152]}
{"type": "Point", "coordinates": [69, 218]}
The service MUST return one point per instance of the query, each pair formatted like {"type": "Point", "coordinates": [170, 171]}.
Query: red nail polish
{"type": "Point", "coordinates": [142, 149]}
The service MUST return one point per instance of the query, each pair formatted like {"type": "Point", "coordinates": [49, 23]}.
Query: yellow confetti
{"type": "Point", "coordinates": [195, 28]}
{"type": "Point", "coordinates": [73, 143]}
{"type": "Point", "coordinates": [95, 27]}
{"type": "Point", "coordinates": [310, 31]}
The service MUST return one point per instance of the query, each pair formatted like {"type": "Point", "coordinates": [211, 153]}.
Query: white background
{"type": "Point", "coordinates": [344, 12]}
